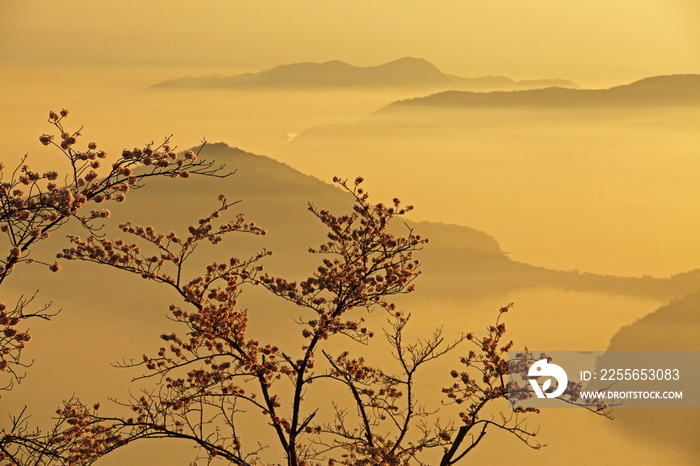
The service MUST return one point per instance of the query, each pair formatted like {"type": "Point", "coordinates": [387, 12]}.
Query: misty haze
{"type": "Point", "coordinates": [571, 191]}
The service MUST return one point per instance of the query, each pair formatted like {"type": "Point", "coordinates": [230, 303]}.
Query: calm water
{"type": "Point", "coordinates": [73, 356]}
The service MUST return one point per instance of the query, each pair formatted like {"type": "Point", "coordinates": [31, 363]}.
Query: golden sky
{"type": "Point", "coordinates": [596, 41]}
{"type": "Point", "coordinates": [97, 58]}
{"type": "Point", "coordinates": [613, 196]}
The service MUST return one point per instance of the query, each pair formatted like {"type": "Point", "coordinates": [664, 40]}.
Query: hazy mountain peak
{"type": "Point", "coordinates": [658, 90]}
{"type": "Point", "coordinates": [405, 72]}
{"type": "Point", "coordinates": [679, 88]}
{"type": "Point", "coordinates": [411, 64]}
{"type": "Point", "coordinates": [296, 70]}
{"type": "Point", "coordinates": [672, 327]}
{"type": "Point", "coordinates": [665, 80]}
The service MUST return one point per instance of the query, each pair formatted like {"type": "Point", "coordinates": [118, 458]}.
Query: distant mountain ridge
{"type": "Point", "coordinates": [405, 72]}
{"type": "Point", "coordinates": [275, 196]}
{"type": "Point", "coordinates": [683, 89]}
{"type": "Point", "coordinates": [672, 327]}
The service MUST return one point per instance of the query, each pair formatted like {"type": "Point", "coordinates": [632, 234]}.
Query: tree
{"type": "Point", "coordinates": [214, 379]}
{"type": "Point", "coordinates": [33, 205]}
{"type": "Point", "coordinates": [209, 378]}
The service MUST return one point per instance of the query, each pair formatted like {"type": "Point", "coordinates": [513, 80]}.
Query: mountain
{"type": "Point", "coordinates": [673, 327]}
{"type": "Point", "coordinates": [660, 90]}
{"type": "Point", "coordinates": [405, 72]}
{"type": "Point", "coordinates": [276, 196]}
{"type": "Point", "coordinates": [462, 110]}
{"type": "Point", "coordinates": [492, 83]}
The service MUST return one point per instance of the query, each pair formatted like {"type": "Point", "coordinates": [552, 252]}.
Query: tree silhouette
{"type": "Point", "coordinates": [33, 205]}
{"type": "Point", "coordinates": [210, 377]}
{"type": "Point", "coordinates": [233, 394]}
